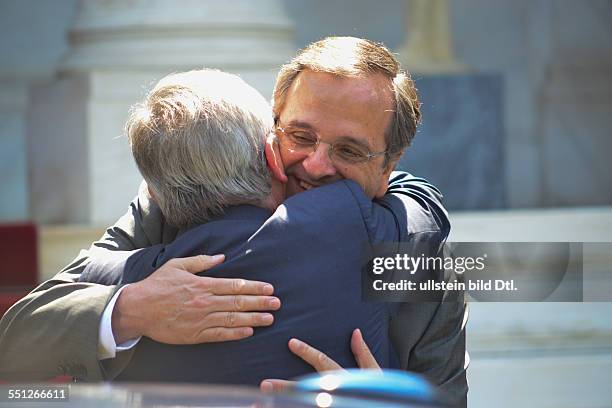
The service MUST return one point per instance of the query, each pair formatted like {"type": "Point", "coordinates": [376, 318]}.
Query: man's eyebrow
{"type": "Point", "coordinates": [353, 140]}
{"type": "Point", "coordinates": [345, 139]}
{"type": "Point", "coordinates": [301, 125]}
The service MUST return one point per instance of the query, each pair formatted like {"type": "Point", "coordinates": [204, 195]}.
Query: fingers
{"type": "Point", "coordinates": [318, 360]}
{"type": "Point", "coordinates": [219, 334]}
{"type": "Point", "coordinates": [362, 352]}
{"type": "Point", "coordinates": [224, 286]}
{"type": "Point", "coordinates": [245, 303]}
{"type": "Point", "coordinates": [273, 385]}
{"type": "Point", "coordinates": [239, 319]}
{"type": "Point", "coordinates": [273, 158]}
{"type": "Point", "coordinates": [196, 264]}
{"type": "Point", "coordinates": [220, 286]}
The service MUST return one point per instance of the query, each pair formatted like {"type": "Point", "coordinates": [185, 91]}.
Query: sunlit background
{"type": "Point", "coordinates": [517, 108]}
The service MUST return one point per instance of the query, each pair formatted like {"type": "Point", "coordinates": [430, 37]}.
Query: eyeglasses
{"type": "Point", "coordinates": [306, 141]}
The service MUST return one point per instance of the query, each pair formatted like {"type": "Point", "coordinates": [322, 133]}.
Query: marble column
{"type": "Point", "coordinates": [13, 166]}
{"type": "Point", "coordinates": [32, 41]}
{"type": "Point", "coordinates": [118, 49]}
{"type": "Point", "coordinates": [427, 46]}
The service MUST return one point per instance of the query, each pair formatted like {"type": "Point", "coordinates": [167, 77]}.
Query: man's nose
{"type": "Point", "coordinates": [318, 164]}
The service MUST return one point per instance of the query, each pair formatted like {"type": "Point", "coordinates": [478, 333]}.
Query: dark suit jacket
{"type": "Point", "coordinates": [428, 337]}
{"type": "Point", "coordinates": [312, 250]}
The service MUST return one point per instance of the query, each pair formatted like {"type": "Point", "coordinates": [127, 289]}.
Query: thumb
{"type": "Point", "coordinates": [198, 263]}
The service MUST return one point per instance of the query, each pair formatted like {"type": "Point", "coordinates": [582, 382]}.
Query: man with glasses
{"type": "Point", "coordinates": [343, 110]}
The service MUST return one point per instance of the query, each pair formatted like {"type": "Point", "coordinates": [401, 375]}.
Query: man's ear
{"type": "Point", "coordinates": [384, 182]}
{"type": "Point", "coordinates": [151, 193]}
{"type": "Point", "coordinates": [273, 158]}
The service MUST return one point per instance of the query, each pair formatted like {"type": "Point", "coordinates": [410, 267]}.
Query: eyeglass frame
{"type": "Point", "coordinates": [330, 152]}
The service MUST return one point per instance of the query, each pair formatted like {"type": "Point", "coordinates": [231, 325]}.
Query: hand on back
{"type": "Point", "coordinates": [175, 306]}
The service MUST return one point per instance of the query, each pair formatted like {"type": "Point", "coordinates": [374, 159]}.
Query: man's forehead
{"type": "Point", "coordinates": [371, 88]}
{"type": "Point", "coordinates": [331, 105]}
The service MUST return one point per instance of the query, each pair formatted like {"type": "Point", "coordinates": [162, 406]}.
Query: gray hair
{"type": "Point", "coordinates": [198, 141]}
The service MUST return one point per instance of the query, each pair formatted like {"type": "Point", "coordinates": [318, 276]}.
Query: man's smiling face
{"type": "Point", "coordinates": [355, 109]}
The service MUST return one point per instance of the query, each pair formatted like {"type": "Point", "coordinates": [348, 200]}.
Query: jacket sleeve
{"type": "Point", "coordinates": [429, 337]}
{"type": "Point", "coordinates": [54, 329]}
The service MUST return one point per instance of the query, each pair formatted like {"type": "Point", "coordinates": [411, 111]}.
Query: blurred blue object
{"type": "Point", "coordinates": [389, 387]}
{"type": "Point", "coordinates": [342, 389]}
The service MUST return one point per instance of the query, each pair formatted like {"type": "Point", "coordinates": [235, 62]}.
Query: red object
{"type": "Point", "coordinates": [61, 379]}
{"type": "Point", "coordinates": [9, 298]}
{"type": "Point", "coordinates": [19, 270]}
{"type": "Point", "coordinates": [18, 256]}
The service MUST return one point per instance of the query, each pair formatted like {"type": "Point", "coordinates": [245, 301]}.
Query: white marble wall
{"type": "Point", "coordinates": [33, 39]}
{"type": "Point", "coordinates": [543, 354]}
{"type": "Point", "coordinates": [13, 161]}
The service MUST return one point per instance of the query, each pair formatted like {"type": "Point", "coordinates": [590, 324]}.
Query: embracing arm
{"type": "Point", "coordinates": [54, 329]}
{"type": "Point", "coordinates": [429, 337]}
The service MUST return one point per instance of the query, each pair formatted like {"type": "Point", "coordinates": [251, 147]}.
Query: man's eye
{"type": "Point", "coordinates": [349, 153]}
{"type": "Point", "coordinates": [303, 138]}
